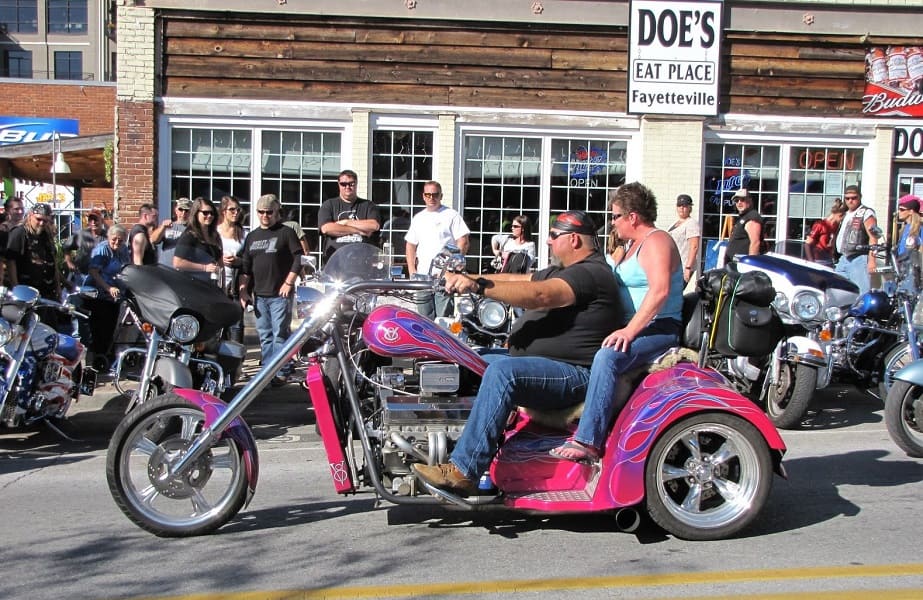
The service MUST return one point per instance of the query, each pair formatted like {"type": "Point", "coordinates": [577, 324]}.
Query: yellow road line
{"type": "Point", "coordinates": [620, 581]}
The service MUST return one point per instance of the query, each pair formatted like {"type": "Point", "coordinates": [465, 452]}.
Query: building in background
{"type": "Point", "coordinates": [57, 72]}
{"type": "Point", "coordinates": [519, 108]}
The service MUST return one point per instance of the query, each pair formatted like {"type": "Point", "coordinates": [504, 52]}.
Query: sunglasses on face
{"type": "Point", "coordinates": [265, 212]}
{"type": "Point", "coordinates": [233, 209]}
{"type": "Point", "coordinates": [182, 210]}
{"type": "Point", "coordinates": [207, 213]}
{"type": "Point", "coordinates": [556, 234]}
{"type": "Point", "coordinates": [347, 183]}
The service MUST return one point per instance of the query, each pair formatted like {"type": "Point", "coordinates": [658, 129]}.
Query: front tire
{"type": "Point", "coordinates": [904, 417]}
{"type": "Point", "coordinates": [896, 359]}
{"type": "Point", "coordinates": [708, 477]}
{"type": "Point", "coordinates": [786, 401]}
{"type": "Point", "coordinates": [201, 499]}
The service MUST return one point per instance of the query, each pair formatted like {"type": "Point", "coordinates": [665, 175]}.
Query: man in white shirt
{"type": "Point", "coordinates": [430, 230]}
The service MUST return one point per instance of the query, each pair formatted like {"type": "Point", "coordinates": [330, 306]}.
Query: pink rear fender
{"type": "Point", "coordinates": [661, 399]}
{"type": "Point", "coordinates": [238, 430]}
{"type": "Point", "coordinates": [394, 331]}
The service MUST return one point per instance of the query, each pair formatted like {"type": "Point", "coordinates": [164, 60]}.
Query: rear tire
{"type": "Point", "coordinates": [708, 477]}
{"type": "Point", "coordinates": [201, 499]}
{"type": "Point", "coordinates": [904, 417]}
{"type": "Point", "coordinates": [786, 401]}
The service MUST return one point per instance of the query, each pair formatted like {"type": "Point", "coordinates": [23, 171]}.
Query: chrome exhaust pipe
{"type": "Point", "coordinates": [627, 520]}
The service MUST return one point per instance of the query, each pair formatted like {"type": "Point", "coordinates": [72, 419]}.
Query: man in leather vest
{"type": "Point", "coordinates": [856, 261]}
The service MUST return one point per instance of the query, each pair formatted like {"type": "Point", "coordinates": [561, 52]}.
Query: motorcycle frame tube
{"type": "Point", "coordinates": [147, 371]}
{"type": "Point", "coordinates": [353, 396]}
{"type": "Point", "coordinates": [336, 457]}
{"type": "Point", "coordinates": [237, 430]}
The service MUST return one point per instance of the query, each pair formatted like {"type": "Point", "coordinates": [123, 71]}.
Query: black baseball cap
{"type": "Point", "coordinates": [575, 221]}
{"type": "Point", "coordinates": [684, 200]}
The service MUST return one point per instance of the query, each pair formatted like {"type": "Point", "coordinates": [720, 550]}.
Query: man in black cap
{"type": "Point", "coordinates": [570, 309]}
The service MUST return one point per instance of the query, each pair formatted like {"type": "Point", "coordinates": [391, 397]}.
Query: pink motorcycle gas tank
{"type": "Point", "coordinates": [397, 332]}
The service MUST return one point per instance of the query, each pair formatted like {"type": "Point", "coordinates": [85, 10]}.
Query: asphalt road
{"type": "Point", "coordinates": [845, 524]}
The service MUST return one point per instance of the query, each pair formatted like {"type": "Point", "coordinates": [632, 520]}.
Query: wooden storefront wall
{"type": "Point", "coordinates": [459, 64]}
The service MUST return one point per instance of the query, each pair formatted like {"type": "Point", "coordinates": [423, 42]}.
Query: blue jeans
{"type": "Point", "coordinates": [856, 270]}
{"type": "Point", "coordinates": [273, 324]}
{"type": "Point", "coordinates": [511, 381]}
{"type": "Point", "coordinates": [601, 402]}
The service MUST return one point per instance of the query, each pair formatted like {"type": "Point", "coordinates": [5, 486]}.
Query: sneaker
{"type": "Point", "coordinates": [445, 476]}
{"type": "Point", "coordinates": [278, 381]}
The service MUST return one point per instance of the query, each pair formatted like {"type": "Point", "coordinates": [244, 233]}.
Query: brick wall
{"type": "Point", "coordinates": [92, 105]}
{"type": "Point", "coordinates": [135, 166]}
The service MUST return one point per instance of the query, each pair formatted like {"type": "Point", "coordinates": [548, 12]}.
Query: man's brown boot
{"type": "Point", "coordinates": [446, 477]}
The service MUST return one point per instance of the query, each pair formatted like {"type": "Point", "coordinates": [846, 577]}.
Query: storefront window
{"type": "Point", "coordinates": [731, 167]}
{"type": "Point", "coordinates": [504, 176]}
{"type": "Point", "coordinates": [211, 163]}
{"type": "Point", "coordinates": [402, 161]}
{"type": "Point", "coordinates": [301, 168]}
{"type": "Point", "coordinates": [817, 177]}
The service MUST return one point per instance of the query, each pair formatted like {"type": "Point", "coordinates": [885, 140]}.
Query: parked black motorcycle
{"type": "Point", "coordinates": [182, 318]}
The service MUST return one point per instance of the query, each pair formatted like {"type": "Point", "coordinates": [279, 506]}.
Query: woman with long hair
{"type": "Point", "coordinates": [232, 234]}
{"type": "Point", "coordinates": [818, 246]}
{"type": "Point", "coordinates": [518, 241]}
{"type": "Point", "coordinates": [909, 245]}
{"type": "Point", "coordinates": [198, 250]}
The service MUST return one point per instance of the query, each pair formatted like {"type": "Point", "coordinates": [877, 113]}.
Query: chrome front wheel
{"type": "Point", "coordinates": [200, 499]}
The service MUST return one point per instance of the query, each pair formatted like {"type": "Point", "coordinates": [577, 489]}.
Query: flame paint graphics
{"type": "Point", "coordinates": [395, 331]}
{"type": "Point", "coordinates": [667, 395]}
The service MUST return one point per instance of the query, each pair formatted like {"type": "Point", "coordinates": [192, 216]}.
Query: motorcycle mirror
{"type": "Point", "coordinates": [310, 262]}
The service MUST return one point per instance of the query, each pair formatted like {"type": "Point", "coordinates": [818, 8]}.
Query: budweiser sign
{"type": "Point", "coordinates": [894, 81]}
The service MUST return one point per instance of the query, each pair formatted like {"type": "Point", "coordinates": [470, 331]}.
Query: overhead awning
{"type": "Point", "coordinates": [84, 155]}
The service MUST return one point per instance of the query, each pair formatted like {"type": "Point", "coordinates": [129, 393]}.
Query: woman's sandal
{"type": "Point", "coordinates": [578, 452]}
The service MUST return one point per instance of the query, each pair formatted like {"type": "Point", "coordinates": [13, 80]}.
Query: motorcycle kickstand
{"type": "Point", "coordinates": [61, 433]}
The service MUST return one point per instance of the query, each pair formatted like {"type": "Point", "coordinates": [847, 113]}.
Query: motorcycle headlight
{"type": "Point", "coordinates": [835, 313]}
{"type": "Point", "coordinates": [465, 306]}
{"type": "Point", "coordinates": [6, 332]}
{"type": "Point", "coordinates": [780, 303]}
{"type": "Point", "coordinates": [184, 328]}
{"type": "Point", "coordinates": [806, 306]}
{"type": "Point", "coordinates": [492, 314]}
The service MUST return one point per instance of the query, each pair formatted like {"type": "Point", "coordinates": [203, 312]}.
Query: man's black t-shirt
{"type": "Point", "coordinates": [336, 209]}
{"type": "Point", "coordinates": [268, 256]}
{"type": "Point", "coordinates": [150, 253]}
{"type": "Point", "coordinates": [572, 334]}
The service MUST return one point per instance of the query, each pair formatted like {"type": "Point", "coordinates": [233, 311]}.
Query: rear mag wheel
{"type": "Point", "coordinates": [708, 476]}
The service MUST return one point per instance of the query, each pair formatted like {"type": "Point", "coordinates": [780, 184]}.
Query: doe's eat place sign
{"type": "Point", "coordinates": [674, 51]}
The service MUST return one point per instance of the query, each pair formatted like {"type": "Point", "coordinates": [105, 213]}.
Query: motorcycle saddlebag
{"type": "Point", "coordinates": [745, 329]}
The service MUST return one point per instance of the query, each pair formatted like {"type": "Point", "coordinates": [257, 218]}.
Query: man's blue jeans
{"type": "Point", "coordinates": [511, 381]}
{"type": "Point", "coordinates": [601, 404]}
{"type": "Point", "coordinates": [856, 270]}
{"type": "Point", "coordinates": [273, 324]}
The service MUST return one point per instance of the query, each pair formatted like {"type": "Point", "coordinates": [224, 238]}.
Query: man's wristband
{"type": "Point", "coordinates": [483, 284]}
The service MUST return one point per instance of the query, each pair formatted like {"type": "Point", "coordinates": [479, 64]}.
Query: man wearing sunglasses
{"type": "Point", "coordinates": [347, 218]}
{"type": "Point", "coordinates": [570, 309]}
{"type": "Point", "coordinates": [31, 254]}
{"type": "Point", "coordinates": [856, 261]}
{"type": "Point", "coordinates": [172, 233]}
{"type": "Point", "coordinates": [270, 263]}
{"type": "Point", "coordinates": [747, 235]}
